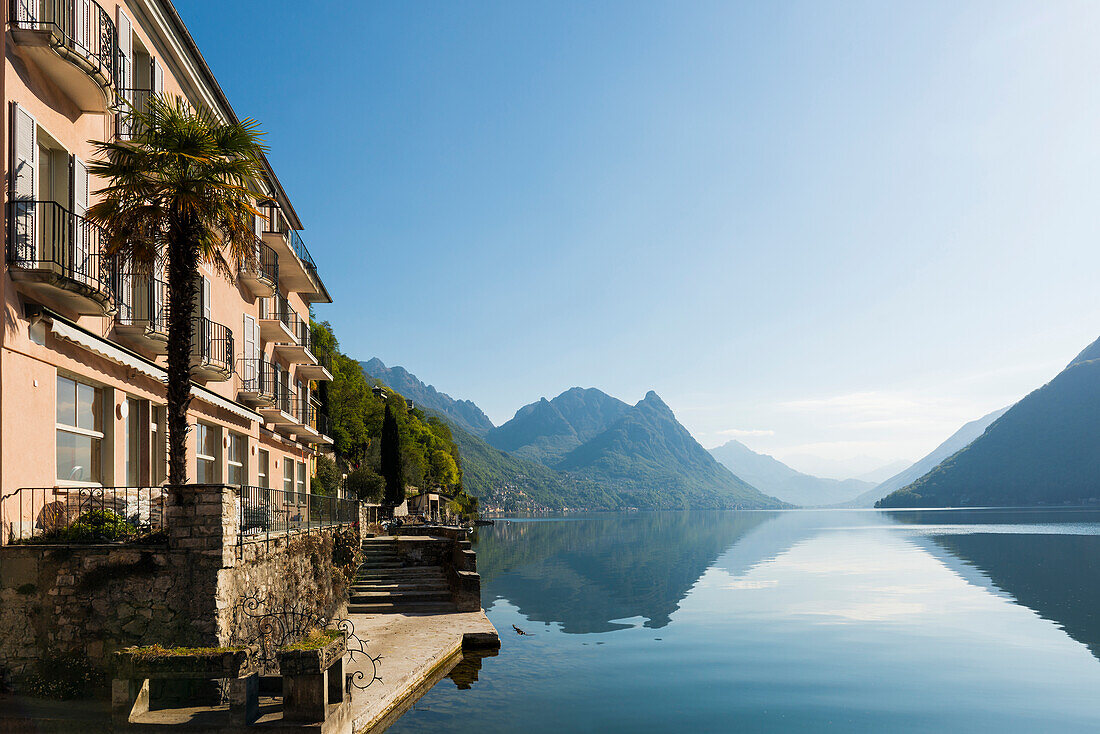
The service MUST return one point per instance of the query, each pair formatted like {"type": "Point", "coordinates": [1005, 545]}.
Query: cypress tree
{"type": "Point", "coordinates": [391, 461]}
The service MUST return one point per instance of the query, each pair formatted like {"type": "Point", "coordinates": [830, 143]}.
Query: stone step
{"type": "Point", "coordinates": [399, 597]}
{"type": "Point", "coordinates": [411, 608]}
{"type": "Point", "coordinates": [399, 572]}
{"type": "Point", "coordinates": [384, 584]}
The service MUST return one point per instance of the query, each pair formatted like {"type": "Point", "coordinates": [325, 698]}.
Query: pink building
{"type": "Point", "coordinates": [82, 344]}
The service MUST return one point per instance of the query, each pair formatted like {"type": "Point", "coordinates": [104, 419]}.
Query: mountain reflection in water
{"type": "Point", "coordinates": [846, 621]}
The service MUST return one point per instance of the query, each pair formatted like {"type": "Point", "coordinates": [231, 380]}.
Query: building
{"type": "Point", "coordinates": [82, 347]}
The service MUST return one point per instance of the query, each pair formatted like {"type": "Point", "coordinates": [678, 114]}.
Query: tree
{"type": "Point", "coordinates": [392, 470]}
{"type": "Point", "coordinates": [366, 485]}
{"type": "Point", "coordinates": [180, 191]}
{"type": "Point", "coordinates": [326, 478]}
{"type": "Point", "coordinates": [444, 468]}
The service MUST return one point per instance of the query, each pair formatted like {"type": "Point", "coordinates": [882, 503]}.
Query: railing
{"type": "Point", "coordinates": [276, 308]}
{"type": "Point", "coordinates": [322, 353]}
{"type": "Point", "coordinates": [266, 511]}
{"type": "Point", "coordinates": [131, 100]}
{"type": "Point", "coordinates": [83, 27]}
{"type": "Point", "coordinates": [261, 377]}
{"type": "Point", "coordinates": [142, 301]}
{"type": "Point", "coordinates": [212, 344]}
{"type": "Point", "coordinates": [274, 224]}
{"type": "Point", "coordinates": [81, 514]}
{"type": "Point", "coordinates": [45, 236]}
{"type": "Point", "coordinates": [302, 252]}
{"type": "Point", "coordinates": [266, 265]}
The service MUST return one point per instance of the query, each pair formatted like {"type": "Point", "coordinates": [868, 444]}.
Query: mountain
{"type": "Point", "coordinates": [1042, 451]}
{"type": "Point", "coordinates": [462, 412]}
{"type": "Point", "coordinates": [958, 440]}
{"type": "Point", "coordinates": [648, 456]}
{"type": "Point", "coordinates": [773, 477]}
{"type": "Point", "coordinates": [549, 429]}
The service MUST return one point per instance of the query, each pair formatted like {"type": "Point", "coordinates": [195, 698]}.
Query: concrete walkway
{"type": "Point", "coordinates": [417, 651]}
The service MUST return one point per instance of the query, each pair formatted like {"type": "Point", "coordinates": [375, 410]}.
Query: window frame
{"type": "Point", "coordinates": [240, 441]}
{"type": "Point", "coordinates": [97, 436]}
{"type": "Point", "coordinates": [200, 457]}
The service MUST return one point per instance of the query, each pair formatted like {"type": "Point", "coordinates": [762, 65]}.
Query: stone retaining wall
{"type": "Point", "coordinates": [91, 600]}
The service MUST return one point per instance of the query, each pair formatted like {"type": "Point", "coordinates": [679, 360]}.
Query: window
{"type": "Point", "coordinates": [133, 442]}
{"type": "Point", "coordinates": [79, 431]}
{"type": "Point", "coordinates": [206, 448]}
{"type": "Point", "coordinates": [301, 481]}
{"type": "Point", "coordinates": [238, 459]}
{"type": "Point", "coordinates": [288, 479]}
{"type": "Point", "coordinates": [263, 464]}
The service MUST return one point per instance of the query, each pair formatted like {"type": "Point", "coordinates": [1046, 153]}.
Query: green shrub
{"type": "Point", "coordinates": [366, 485]}
{"type": "Point", "coordinates": [97, 526]}
{"type": "Point", "coordinates": [62, 676]}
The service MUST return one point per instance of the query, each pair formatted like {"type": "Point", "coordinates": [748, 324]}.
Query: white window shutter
{"type": "Point", "coordinates": [83, 10]}
{"type": "Point", "coordinates": [249, 371]}
{"type": "Point", "coordinates": [24, 184]}
{"type": "Point", "coordinates": [82, 267]}
{"type": "Point", "coordinates": [126, 51]}
{"type": "Point", "coordinates": [157, 77]}
{"type": "Point", "coordinates": [26, 12]}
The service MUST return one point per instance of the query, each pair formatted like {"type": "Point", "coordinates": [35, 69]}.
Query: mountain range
{"type": "Point", "coordinates": [583, 449]}
{"type": "Point", "coordinates": [464, 413]}
{"type": "Point", "coordinates": [1043, 450]}
{"type": "Point", "coordinates": [773, 477]}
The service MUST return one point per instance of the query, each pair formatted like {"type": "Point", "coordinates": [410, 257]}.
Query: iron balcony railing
{"type": "Point", "coordinates": [45, 236]}
{"type": "Point", "coordinates": [73, 515]}
{"type": "Point", "coordinates": [129, 101]}
{"type": "Point", "coordinates": [277, 307]}
{"type": "Point", "coordinates": [273, 223]}
{"type": "Point", "coordinates": [314, 417]}
{"type": "Point", "coordinates": [266, 265]}
{"type": "Point", "coordinates": [302, 252]}
{"type": "Point", "coordinates": [266, 511]}
{"type": "Point", "coordinates": [142, 300]}
{"type": "Point", "coordinates": [321, 352]}
{"type": "Point", "coordinates": [80, 26]}
{"type": "Point", "coordinates": [212, 344]}
{"type": "Point", "coordinates": [262, 378]}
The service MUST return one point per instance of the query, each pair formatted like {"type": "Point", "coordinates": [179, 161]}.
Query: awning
{"type": "Point", "coordinates": [72, 333]}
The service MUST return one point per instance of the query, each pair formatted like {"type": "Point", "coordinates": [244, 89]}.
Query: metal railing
{"type": "Point", "coordinates": [84, 28]}
{"type": "Point", "coordinates": [130, 100]}
{"type": "Point", "coordinates": [266, 511]}
{"type": "Point", "coordinates": [81, 514]}
{"type": "Point", "coordinates": [276, 308]}
{"type": "Point", "coordinates": [212, 344]}
{"type": "Point", "coordinates": [45, 236]}
{"type": "Point", "coordinates": [302, 253]}
{"type": "Point", "coordinates": [261, 378]}
{"type": "Point", "coordinates": [142, 300]}
{"type": "Point", "coordinates": [274, 223]}
{"type": "Point", "coordinates": [266, 265]}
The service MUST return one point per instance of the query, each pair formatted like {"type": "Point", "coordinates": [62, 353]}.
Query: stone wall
{"type": "Point", "coordinates": [93, 599]}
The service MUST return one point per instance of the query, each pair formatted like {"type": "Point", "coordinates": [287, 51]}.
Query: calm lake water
{"type": "Point", "coordinates": [837, 621]}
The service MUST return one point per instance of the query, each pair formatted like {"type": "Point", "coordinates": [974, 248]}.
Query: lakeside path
{"type": "Point", "coordinates": [417, 651]}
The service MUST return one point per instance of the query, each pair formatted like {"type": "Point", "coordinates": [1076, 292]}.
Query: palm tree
{"type": "Point", "coordinates": [180, 192]}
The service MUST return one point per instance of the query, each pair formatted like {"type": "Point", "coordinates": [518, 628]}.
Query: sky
{"type": "Point", "coordinates": [834, 231]}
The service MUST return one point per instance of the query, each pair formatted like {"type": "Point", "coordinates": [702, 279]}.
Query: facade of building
{"type": "Point", "coordinates": [82, 345]}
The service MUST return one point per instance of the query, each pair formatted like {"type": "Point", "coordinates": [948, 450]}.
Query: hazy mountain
{"type": "Point", "coordinates": [549, 429]}
{"type": "Point", "coordinates": [773, 477]}
{"type": "Point", "coordinates": [463, 412]}
{"type": "Point", "coordinates": [884, 472]}
{"type": "Point", "coordinates": [1043, 450]}
{"type": "Point", "coordinates": [873, 469]}
{"type": "Point", "coordinates": [959, 439]}
{"type": "Point", "coordinates": [648, 456]}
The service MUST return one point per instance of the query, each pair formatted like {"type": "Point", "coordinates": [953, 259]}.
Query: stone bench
{"type": "Point", "coordinates": [136, 667]}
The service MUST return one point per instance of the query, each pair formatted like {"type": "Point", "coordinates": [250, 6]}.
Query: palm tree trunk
{"type": "Point", "coordinates": [183, 263]}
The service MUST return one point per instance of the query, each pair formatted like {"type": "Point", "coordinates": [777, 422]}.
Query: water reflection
{"type": "Point", "coordinates": [585, 573]}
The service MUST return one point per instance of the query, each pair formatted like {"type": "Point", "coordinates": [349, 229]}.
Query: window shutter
{"type": "Point", "coordinates": [83, 10]}
{"type": "Point", "coordinates": [126, 50]}
{"type": "Point", "coordinates": [24, 182]}
{"type": "Point", "coordinates": [26, 12]}
{"type": "Point", "coordinates": [82, 267]}
{"type": "Point", "coordinates": [249, 348]}
{"type": "Point", "coordinates": [157, 76]}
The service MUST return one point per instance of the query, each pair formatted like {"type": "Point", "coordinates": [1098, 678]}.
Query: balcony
{"type": "Point", "coordinates": [313, 427]}
{"type": "Point", "coordinates": [275, 319]}
{"type": "Point", "coordinates": [260, 383]}
{"type": "Point", "coordinates": [142, 317]}
{"type": "Point", "coordinates": [74, 43]}
{"type": "Point", "coordinates": [298, 272]}
{"type": "Point", "coordinates": [261, 277]}
{"type": "Point", "coordinates": [55, 257]}
{"type": "Point", "coordinates": [211, 351]}
{"type": "Point", "coordinates": [297, 349]}
{"type": "Point", "coordinates": [283, 410]}
{"type": "Point", "coordinates": [321, 368]}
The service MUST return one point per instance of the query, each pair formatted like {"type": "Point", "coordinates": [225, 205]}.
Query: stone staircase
{"type": "Point", "coordinates": [386, 584]}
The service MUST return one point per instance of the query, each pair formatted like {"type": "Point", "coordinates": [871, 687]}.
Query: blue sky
{"type": "Point", "coordinates": [836, 231]}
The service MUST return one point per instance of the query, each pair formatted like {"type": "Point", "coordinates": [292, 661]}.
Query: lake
{"type": "Point", "coordinates": [801, 621]}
